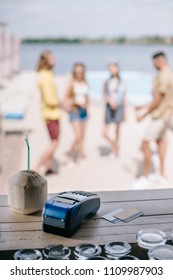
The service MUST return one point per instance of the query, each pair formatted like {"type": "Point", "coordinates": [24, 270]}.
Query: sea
{"type": "Point", "coordinates": [135, 64]}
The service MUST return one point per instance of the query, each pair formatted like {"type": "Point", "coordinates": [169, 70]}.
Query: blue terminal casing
{"type": "Point", "coordinates": [64, 212]}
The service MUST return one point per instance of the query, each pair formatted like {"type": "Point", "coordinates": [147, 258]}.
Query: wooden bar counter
{"type": "Point", "coordinates": [25, 231]}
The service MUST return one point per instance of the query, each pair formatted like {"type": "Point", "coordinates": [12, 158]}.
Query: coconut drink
{"type": "Point", "coordinates": [27, 190]}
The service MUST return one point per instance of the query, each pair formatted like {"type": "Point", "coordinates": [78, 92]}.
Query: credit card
{"type": "Point", "coordinates": [128, 214]}
{"type": "Point", "coordinates": [111, 216]}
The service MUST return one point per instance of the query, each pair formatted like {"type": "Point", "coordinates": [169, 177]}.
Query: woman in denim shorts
{"type": "Point", "coordinates": [76, 102]}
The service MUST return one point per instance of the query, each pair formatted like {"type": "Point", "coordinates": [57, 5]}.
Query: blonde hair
{"type": "Point", "coordinates": [43, 62]}
{"type": "Point", "coordinates": [79, 64]}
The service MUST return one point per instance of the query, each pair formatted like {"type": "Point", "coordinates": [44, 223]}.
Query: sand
{"type": "Point", "coordinates": [100, 172]}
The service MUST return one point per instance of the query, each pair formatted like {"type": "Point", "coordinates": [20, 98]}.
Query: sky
{"type": "Point", "coordinates": [88, 18]}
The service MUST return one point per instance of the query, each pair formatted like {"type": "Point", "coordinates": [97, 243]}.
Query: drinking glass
{"type": "Point", "coordinates": [162, 252]}
{"type": "Point", "coordinates": [148, 238]}
{"type": "Point", "coordinates": [115, 250]}
{"type": "Point", "coordinates": [56, 252]}
{"type": "Point", "coordinates": [86, 250]}
{"type": "Point", "coordinates": [28, 254]}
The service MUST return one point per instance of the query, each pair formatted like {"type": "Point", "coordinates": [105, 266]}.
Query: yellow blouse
{"type": "Point", "coordinates": [49, 99]}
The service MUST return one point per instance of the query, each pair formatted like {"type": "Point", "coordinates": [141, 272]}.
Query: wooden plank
{"type": "Point", "coordinates": [157, 207]}
{"type": "Point", "coordinates": [29, 242]}
{"type": "Point", "coordinates": [7, 215]}
{"type": "Point", "coordinates": [119, 229]}
{"type": "Point", "coordinates": [89, 223]}
{"type": "Point", "coordinates": [143, 220]}
{"type": "Point", "coordinates": [18, 230]}
{"type": "Point", "coordinates": [20, 239]}
{"type": "Point", "coordinates": [20, 227]}
{"type": "Point", "coordinates": [103, 229]}
{"type": "Point", "coordinates": [33, 239]}
{"type": "Point", "coordinates": [117, 196]}
{"type": "Point", "coordinates": [38, 239]}
{"type": "Point", "coordinates": [131, 195]}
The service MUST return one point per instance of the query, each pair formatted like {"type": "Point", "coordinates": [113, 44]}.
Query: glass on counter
{"type": "Point", "coordinates": [56, 252]}
{"type": "Point", "coordinates": [87, 250]}
{"type": "Point", "coordinates": [115, 250]}
{"type": "Point", "coordinates": [162, 252]}
{"type": "Point", "coordinates": [28, 254]}
{"type": "Point", "coordinates": [148, 238]}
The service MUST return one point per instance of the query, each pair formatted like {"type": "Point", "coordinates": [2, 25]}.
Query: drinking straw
{"type": "Point", "coordinates": [28, 158]}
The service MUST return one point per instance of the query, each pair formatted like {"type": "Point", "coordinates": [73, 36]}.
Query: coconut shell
{"type": "Point", "coordinates": [27, 192]}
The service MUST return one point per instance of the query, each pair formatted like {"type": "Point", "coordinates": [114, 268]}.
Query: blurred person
{"type": "Point", "coordinates": [160, 111]}
{"type": "Point", "coordinates": [49, 108]}
{"type": "Point", "coordinates": [114, 99]}
{"type": "Point", "coordinates": [76, 103]}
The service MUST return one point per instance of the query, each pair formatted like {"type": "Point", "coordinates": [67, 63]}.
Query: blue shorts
{"type": "Point", "coordinates": [80, 115]}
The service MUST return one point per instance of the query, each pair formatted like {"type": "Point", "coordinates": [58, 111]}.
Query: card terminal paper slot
{"type": "Point", "coordinates": [65, 200]}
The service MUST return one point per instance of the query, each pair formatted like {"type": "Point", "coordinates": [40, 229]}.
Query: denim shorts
{"type": "Point", "coordinates": [79, 115]}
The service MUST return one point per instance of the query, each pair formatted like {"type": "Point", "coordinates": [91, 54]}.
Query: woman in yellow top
{"type": "Point", "coordinates": [49, 107]}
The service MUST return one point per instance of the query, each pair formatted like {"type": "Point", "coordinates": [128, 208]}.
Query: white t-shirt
{"type": "Point", "coordinates": [81, 92]}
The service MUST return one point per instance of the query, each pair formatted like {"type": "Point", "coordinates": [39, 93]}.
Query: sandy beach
{"type": "Point", "coordinates": [100, 173]}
